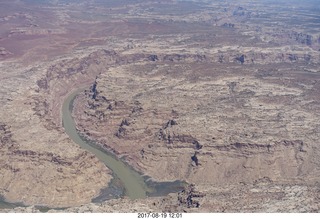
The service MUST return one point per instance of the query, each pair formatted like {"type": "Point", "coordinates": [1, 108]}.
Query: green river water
{"type": "Point", "coordinates": [126, 180]}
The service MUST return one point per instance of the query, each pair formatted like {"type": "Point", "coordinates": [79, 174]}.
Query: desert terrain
{"type": "Point", "coordinates": [223, 96]}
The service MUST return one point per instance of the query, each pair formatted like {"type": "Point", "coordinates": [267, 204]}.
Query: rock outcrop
{"type": "Point", "coordinates": [197, 128]}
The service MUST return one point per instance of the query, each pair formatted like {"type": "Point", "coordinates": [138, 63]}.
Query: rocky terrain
{"type": "Point", "coordinates": [196, 122]}
{"type": "Point", "coordinates": [221, 94]}
{"type": "Point", "coordinates": [262, 196]}
{"type": "Point", "coordinates": [40, 164]}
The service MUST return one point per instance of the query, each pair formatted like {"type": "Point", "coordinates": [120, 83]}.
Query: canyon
{"type": "Point", "coordinates": [221, 95]}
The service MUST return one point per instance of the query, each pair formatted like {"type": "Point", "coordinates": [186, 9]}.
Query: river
{"type": "Point", "coordinates": [126, 180]}
{"type": "Point", "coordinates": [135, 184]}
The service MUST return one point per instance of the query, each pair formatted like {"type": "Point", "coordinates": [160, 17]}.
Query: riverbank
{"type": "Point", "coordinates": [135, 185]}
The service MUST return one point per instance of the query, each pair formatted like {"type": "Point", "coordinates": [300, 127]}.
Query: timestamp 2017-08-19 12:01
{"type": "Point", "coordinates": [159, 215]}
